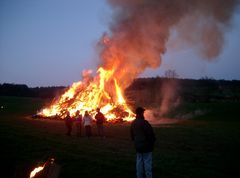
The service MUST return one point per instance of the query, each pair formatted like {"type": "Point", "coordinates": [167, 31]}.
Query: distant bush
{"type": "Point", "coordinates": [22, 90]}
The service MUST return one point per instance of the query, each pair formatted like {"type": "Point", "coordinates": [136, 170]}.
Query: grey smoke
{"type": "Point", "coordinates": [140, 30]}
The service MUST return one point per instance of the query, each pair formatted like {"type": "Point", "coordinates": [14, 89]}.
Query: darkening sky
{"type": "Point", "coordinates": [50, 42]}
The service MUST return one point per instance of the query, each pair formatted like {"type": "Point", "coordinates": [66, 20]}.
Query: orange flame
{"type": "Point", "coordinates": [36, 170]}
{"type": "Point", "coordinates": [102, 91]}
{"type": "Point", "coordinates": [40, 168]}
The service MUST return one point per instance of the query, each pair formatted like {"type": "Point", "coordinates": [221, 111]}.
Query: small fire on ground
{"type": "Point", "coordinates": [48, 169]}
{"type": "Point", "coordinates": [36, 170]}
{"type": "Point", "coordinates": [102, 91]}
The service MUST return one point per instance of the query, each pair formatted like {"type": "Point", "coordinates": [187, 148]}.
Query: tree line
{"type": "Point", "coordinates": [148, 90]}
{"type": "Point", "coordinates": [22, 90]}
{"type": "Point", "coordinates": [152, 91]}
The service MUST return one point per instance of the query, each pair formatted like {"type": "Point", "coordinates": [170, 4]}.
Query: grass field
{"type": "Point", "coordinates": [207, 146]}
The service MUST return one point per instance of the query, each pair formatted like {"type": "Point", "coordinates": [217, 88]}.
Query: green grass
{"type": "Point", "coordinates": [200, 147]}
{"type": "Point", "coordinates": [213, 111]}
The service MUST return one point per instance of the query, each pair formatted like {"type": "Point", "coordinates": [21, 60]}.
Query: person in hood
{"type": "Point", "coordinates": [144, 138]}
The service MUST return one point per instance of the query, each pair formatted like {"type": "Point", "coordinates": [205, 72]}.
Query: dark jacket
{"type": "Point", "coordinates": [143, 136]}
{"type": "Point", "coordinates": [68, 121]}
{"type": "Point", "coordinates": [100, 119]}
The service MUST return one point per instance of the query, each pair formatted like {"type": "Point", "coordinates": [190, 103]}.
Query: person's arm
{"type": "Point", "coordinates": [104, 118]}
{"type": "Point", "coordinates": [149, 132]}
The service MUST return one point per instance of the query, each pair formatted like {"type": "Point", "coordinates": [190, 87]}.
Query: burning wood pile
{"type": "Point", "coordinates": [102, 91]}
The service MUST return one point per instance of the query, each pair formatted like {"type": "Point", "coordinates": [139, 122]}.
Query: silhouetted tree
{"type": "Point", "coordinates": [170, 74]}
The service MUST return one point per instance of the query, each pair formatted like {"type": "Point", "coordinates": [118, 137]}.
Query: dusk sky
{"type": "Point", "coordinates": [50, 43]}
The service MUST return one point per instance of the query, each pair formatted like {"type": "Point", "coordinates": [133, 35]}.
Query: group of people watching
{"type": "Point", "coordinates": [141, 133]}
{"type": "Point", "coordinates": [86, 121]}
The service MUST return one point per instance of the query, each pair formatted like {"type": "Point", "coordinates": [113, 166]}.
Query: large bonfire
{"type": "Point", "coordinates": [102, 91]}
{"type": "Point", "coordinates": [136, 40]}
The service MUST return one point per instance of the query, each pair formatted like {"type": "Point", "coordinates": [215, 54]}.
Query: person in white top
{"type": "Point", "coordinates": [87, 122]}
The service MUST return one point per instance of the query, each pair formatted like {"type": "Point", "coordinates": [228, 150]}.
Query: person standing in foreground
{"type": "Point", "coordinates": [87, 122]}
{"type": "Point", "coordinates": [144, 138]}
{"type": "Point", "coordinates": [100, 119]}
{"type": "Point", "coordinates": [78, 119]}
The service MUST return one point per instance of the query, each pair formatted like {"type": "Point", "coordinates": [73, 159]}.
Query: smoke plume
{"type": "Point", "coordinates": [140, 29]}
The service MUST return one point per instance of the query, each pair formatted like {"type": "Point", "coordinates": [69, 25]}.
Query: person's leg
{"type": "Point", "coordinates": [139, 165]}
{"type": "Point", "coordinates": [77, 127]}
{"type": "Point", "coordinates": [102, 131]}
{"type": "Point", "coordinates": [98, 129]}
{"type": "Point", "coordinates": [80, 130]}
{"type": "Point", "coordinates": [90, 131]}
{"type": "Point", "coordinates": [147, 159]}
{"type": "Point", "coordinates": [86, 131]}
{"type": "Point", "coordinates": [68, 130]}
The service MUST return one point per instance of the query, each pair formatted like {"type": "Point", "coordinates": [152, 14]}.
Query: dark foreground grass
{"type": "Point", "coordinates": [193, 148]}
